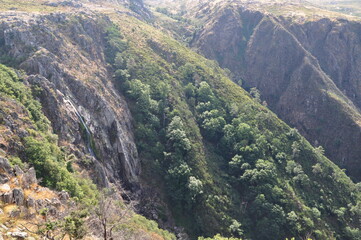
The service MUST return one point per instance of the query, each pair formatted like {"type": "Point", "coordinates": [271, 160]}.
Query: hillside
{"type": "Point", "coordinates": [29, 210]}
{"type": "Point", "coordinates": [304, 61]}
{"type": "Point", "coordinates": [343, 6]}
{"type": "Point", "coordinates": [139, 110]}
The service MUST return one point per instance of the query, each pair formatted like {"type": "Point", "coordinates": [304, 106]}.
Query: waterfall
{"type": "Point", "coordinates": [126, 154]}
{"type": "Point", "coordinates": [87, 131]}
{"type": "Point", "coordinates": [129, 165]}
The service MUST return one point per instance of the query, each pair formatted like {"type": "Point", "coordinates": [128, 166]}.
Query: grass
{"type": "Point", "coordinates": [350, 7]}
{"type": "Point", "coordinates": [27, 6]}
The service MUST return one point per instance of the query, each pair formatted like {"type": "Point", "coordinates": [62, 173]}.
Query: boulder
{"type": "Point", "coordinates": [52, 211]}
{"type": "Point", "coordinates": [63, 196]}
{"type": "Point", "coordinates": [29, 178]}
{"type": "Point", "coordinates": [56, 202]}
{"type": "Point", "coordinates": [5, 166]}
{"type": "Point", "coordinates": [47, 202]}
{"type": "Point", "coordinates": [30, 202]}
{"type": "Point", "coordinates": [5, 188]}
{"type": "Point", "coordinates": [39, 204]}
{"type": "Point", "coordinates": [15, 213]}
{"type": "Point", "coordinates": [19, 235]}
{"type": "Point", "coordinates": [18, 196]}
{"type": "Point", "coordinates": [18, 171]}
{"type": "Point", "coordinates": [7, 198]}
{"type": "Point", "coordinates": [3, 178]}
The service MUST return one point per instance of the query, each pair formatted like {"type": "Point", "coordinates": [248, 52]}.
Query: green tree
{"type": "Point", "coordinates": [255, 93]}
{"type": "Point", "coordinates": [204, 93]}
{"type": "Point", "coordinates": [195, 187]}
{"type": "Point", "coordinates": [177, 137]}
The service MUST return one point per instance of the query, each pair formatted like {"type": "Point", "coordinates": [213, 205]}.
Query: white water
{"type": "Point", "coordinates": [126, 154]}
{"type": "Point", "coordinates": [127, 158]}
{"type": "Point", "coordinates": [88, 134]}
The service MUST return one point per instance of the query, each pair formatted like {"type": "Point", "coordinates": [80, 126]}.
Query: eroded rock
{"type": "Point", "coordinates": [15, 213]}
{"type": "Point", "coordinates": [30, 202]}
{"type": "Point", "coordinates": [7, 198]}
{"type": "Point", "coordinates": [56, 202]}
{"type": "Point", "coordinates": [29, 178]}
{"type": "Point", "coordinates": [63, 196]}
{"type": "Point", "coordinates": [21, 235]}
{"type": "Point", "coordinates": [18, 196]}
{"type": "Point", "coordinates": [5, 166]}
{"type": "Point", "coordinates": [18, 171]}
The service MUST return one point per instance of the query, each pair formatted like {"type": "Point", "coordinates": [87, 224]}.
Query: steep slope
{"type": "Point", "coordinates": [213, 160]}
{"type": "Point", "coordinates": [345, 6]}
{"type": "Point", "coordinates": [30, 210]}
{"type": "Point", "coordinates": [71, 71]}
{"type": "Point", "coordinates": [305, 65]}
{"type": "Point", "coordinates": [220, 157]}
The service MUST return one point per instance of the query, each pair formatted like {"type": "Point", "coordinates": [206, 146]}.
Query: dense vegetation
{"type": "Point", "coordinates": [53, 166]}
{"type": "Point", "coordinates": [229, 165]}
{"type": "Point", "coordinates": [224, 163]}
{"type": "Point", "coordinates": [40, 145]}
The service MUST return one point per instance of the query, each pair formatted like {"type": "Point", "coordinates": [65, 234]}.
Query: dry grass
{"type": "Point", "coordinates": [26, 6]}
{"type": "Point", "coordinates": [350, 7]}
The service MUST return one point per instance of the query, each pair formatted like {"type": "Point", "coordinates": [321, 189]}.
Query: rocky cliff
{"type": "Point", "coordinates": [214, 160]}
{"type": "Point", "coordinates": [306, 67]}
{"type": "Point", "coordinates": [23, 198]}
{"type": "Point", "coordinates": [63, 54]}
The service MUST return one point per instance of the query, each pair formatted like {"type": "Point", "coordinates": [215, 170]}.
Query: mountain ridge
{"type": "Point", "coordinates": [209, 157]}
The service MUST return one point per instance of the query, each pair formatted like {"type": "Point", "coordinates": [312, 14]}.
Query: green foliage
{"type": "Point", "coordinates": [177, 17]}
{"type": "Point", "coordinates": [236, 228]}
{"type": "Point", "coordinates": [177, 179]}
{"type": "Point", "coordinates": [205, 93]}
{"type": "Point", "coordinates": [221, 154]}
{"type": "Point", "coordinates": [74, 226]}
{"type": "Point", "coordinates": [139, 222]}
{"type": "Point", "coordinates": [11, 86]}
{"type": "Point", "coordinates": [177, 137]}
{"type": "Point", "coordinates": [17, 161]}
{"type": "Point", "coordinates": [190, 90]}
{"type": "Point", "coordinates": [219, 237]}
{"type": "Point", "coordinates": [255, 93]}
{"type": "Point", "coordinates": [115, 43]}
{"type": "Point", "coordinates": [195, 187]}
{"type": "Point", "coordinates": [353, 233]}
{"type": "Point", "coordinates": [51, 168]}
{"type": "Point", "coordinates": [40, 147]}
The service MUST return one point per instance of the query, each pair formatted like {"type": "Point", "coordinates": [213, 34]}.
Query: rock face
{"type": "Point", "coordinates": [18, 235]}
{"type": "Point", "coordinates": [307, 71]}
{"type": "Point", "coordinates": [18, 196]}
{"type": "Point", "coordinates": [22, 189]}
{"type": "Point", "coordinates": [7, 197]}
{"type": "Point", "coordinates": [29, 178]}
{"type": "Point", "coordinates": [78, 95]}
{"type": "Point", "coordinates": [5, 166]}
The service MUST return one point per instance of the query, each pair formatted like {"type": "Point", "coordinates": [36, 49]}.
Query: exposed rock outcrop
{"type": "Point", "coordinates": [18, 196]}
{"type": "Point", "coordinates": [18, 235]}
{"type": "Point", "coordinates": [71, 71]}
{"type": "Point", "coordinates": [29, 196]}
{"type": "Point", "coordinates": [307, 71]}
